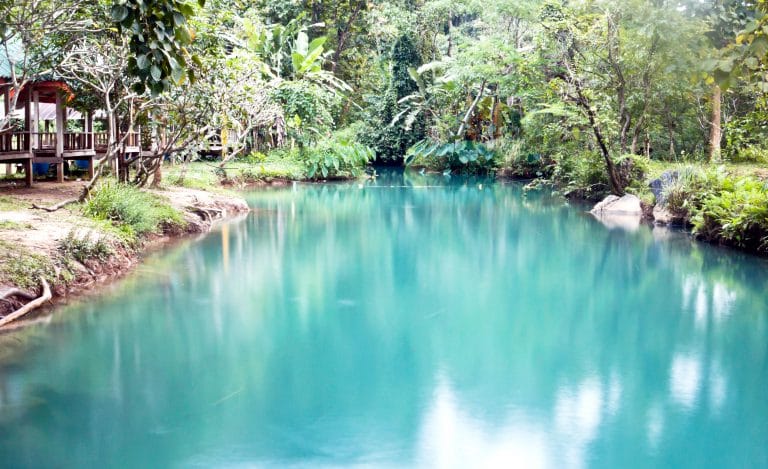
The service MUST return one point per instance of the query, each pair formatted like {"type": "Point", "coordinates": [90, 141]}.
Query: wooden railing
{"type": "Point", "coordinates": [46, 140]}
{"type": "Point", "coordinates": [133, 139]}
{"type": "Point", "coordinates": [14, 141]}
{"type": "Point", "coordinates": [102, 141]}
{"type": "Point", "coordinates": [74, 141]}
{"type": "Point", "coordinates": [24, 141]}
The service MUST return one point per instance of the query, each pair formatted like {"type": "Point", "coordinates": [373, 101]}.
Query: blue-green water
{"type": "Point", "coordinates": [428, 324]}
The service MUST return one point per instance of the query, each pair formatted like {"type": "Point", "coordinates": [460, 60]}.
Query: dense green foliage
{"type": "Point", "coordinates": [389, 141]}
{"type": "Point", "coordinates": [735, 213]}
{"type": "Point", "coordinates": [159, 35]}
{"type": "Point", "coordinates": [337, 156]}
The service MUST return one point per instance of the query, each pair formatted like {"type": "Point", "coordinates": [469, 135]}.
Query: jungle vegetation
{"type": "Point", "coordinates": [596, 96]}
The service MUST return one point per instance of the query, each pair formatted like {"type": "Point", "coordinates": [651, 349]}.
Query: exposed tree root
{"type": "Point", "coordinates": [32, 305]}
{"type": "Point", "coordinates": [58, 206]}
{"type": "Point", "coordinates": [206, 214]}
{"type": "Point", "coordinates": [17, 292]}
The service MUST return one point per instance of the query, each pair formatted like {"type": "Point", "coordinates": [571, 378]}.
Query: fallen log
{"type": "Point", "coordinates": [32, 305]}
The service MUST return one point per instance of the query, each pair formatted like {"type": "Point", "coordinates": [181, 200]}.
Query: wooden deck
{"type": "Point", "coordinates": [28, 148]}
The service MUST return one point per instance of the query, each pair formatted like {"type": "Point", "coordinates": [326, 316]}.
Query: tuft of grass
{"type": "Point", "coordinates": [135, 212]}
{"type": "Point", "coordinates": [8, 204]}
{"type": "Point", "coordinates": [84, 248]}
{"type": "Point", "coordinates": [9, 225]}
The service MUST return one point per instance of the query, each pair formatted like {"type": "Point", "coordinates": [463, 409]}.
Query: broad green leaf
{"type": "Point", "coordinates": [118, 13]}
{"type": "Point", "coordinates": [177, 73]}
{"type": "Point", "coordinates": [142, 61]}
{"type": "Point", "coordinates": [296, 60]}
{"type": "Point", "coordinates": [317, 42]}
{"type": "Point", "coordinates": [156, 73]}
{"type": "Point", "coordinates": [310, 59]}
{"type": "Point", "coordinates": [179, 19]}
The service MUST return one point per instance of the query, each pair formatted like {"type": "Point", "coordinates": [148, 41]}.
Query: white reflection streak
{"type": "Point", "coordinates": [688, 285]}
{"type": "Point", "coordinates": [701, 307]}
{"type": "Point", "coordinates": [577, 418]}
{"type": "Point", "coordinates": [451, 438]}
{"type": "Point", "coordinates": [717, 388]}
{"type": "Point", "coordinates": [614, 394]}
{"type": "Point", "coordinates": [722, 302]}
{"type": "Point", "coordinates": [685, 380]}
{"type": "Point", "coordinates": [655, 425]}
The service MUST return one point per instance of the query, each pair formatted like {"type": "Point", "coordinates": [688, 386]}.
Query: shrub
{"type": "Point", "coordinates": [516, 160]}
{"type": "Point", "coordinates": [686, 195]}
{"type": "Point", "coordinates": [137, 212]}
{"type": "Point", "coordinates": [751, 154]}
{"type": "Point", "coordinates": [737, 214]}
{"type": "Point", "coordinates": [466, 156]}
{"type": "Point", "coordinates": [337, 156]}
{"type": "Point", "coordinates": [582, 174]}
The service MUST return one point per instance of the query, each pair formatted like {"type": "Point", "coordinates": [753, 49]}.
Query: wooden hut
{"type": "Point", "coordinates": [36, 129]}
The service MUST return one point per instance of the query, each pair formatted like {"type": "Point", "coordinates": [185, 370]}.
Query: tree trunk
{"type": "Point", "coordinates": [716, 131]}
{"type": "Point", "coordinates": [450, 42]}
{"type": "Point", "coordinates": [468, 115]}
{"type": "Point", "coordinates": [672, 152]}
{"type": "Point", "coordinates": [613, 175]}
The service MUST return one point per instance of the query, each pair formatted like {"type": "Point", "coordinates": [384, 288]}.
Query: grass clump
{"type": "Point", "coordinates": [136, 212]}
{"type": "Point", "coordinates": [9, 203]}
{"type": "Point", "coordinates": [9, 225]}
{"type": "Point", "coordinates": [84, 248]}
{"type": "Point", "coordinates": [23, 268]}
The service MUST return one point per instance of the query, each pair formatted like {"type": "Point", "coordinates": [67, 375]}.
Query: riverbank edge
{"type": "Point", "coordinates": [650, 211]}
{"type": "Point", "coordinates": [201, 210]}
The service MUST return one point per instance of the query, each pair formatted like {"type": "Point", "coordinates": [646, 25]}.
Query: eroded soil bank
{"type": "Point", "coordinates": [31, 238]}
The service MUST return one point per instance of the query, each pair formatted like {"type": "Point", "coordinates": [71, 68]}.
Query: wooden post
{"type": "Point", "coordinates": [6, 100]}
{"type": "Point", "coordinates": [6, 111]}
{"type": "Point", "coordinates": [60, 123]}
{"type": "Point", "coordinates": [27, 124]}
{"type": "Point", "coordinates": [89, 137]}
{"type": "Point", "coordinates": [35, 141]}
{"type": "Point", "coordinates": [90, 167]}
{"type": "Point", "coordinates": [28, 179]}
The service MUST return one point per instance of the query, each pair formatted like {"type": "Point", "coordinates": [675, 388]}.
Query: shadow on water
{"type": "Point", "coordinates": [409, 320]}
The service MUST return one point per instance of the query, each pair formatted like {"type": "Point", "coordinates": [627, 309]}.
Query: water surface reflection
{"type": "Point", "coordinates": [410, 321]}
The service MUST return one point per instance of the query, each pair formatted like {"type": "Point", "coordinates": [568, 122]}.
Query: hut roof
{"type": "Point", "coordinates": [15, 51]}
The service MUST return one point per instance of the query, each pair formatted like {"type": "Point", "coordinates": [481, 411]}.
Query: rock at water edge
{"type": "Point", "coordinates": [614, 205]}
